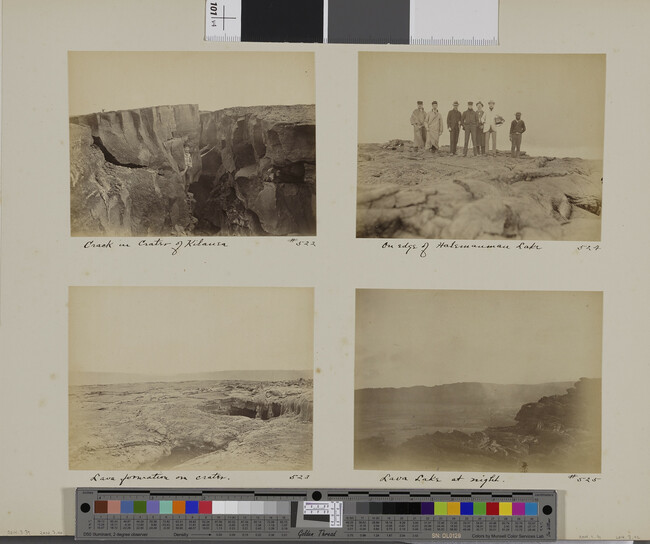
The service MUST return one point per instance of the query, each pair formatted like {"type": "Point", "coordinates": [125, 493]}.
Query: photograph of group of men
{"type": "Point", "coordinates": [479, 125]}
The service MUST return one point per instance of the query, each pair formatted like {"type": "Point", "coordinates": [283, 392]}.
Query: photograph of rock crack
{"type": "Point", "coordinates": [499, 381]}
{"type": "Point", "coordinates": [480, 146]}
{"type": "Point", "coordinates": [190, 378]}
{"type": "Point", "coordinates": [192, 143]}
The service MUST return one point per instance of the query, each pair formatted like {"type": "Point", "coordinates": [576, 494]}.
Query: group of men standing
{"type": "Point", "coordinates": [479, 125]}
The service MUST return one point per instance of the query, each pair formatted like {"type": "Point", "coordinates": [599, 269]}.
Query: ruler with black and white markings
{"type": "Point", "coordinates": [417, 22]}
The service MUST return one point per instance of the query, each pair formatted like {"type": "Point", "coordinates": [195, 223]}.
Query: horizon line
{"type": "Point", "coordinates": [576, 380]}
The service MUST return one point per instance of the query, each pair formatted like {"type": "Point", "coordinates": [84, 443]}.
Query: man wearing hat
{"type": "Point", "coordinates": [492, 121]}
{"type": "Point", "coordinates": [434, 128]}
{"type": "Point", "coordinates": [453, 125]}
{"type": "Point", "coordinates": [517, 128]}
{"type": "Point", "coordinates": [480, 140]}
{"type": "Point", "coordinates": [469, 122]}
{"type": "Point", "coordinates": [418, 120]}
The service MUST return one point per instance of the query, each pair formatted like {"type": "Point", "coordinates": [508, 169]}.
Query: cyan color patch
{"type": "Point", "coordinates": [531, 508]}
{"type": "Point", "coordinates": [166, 507]}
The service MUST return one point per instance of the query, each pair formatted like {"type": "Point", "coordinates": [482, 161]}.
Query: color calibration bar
{"type": "Point", "coordinates": [315, 514]}
{"type": "Point", "coordinates": [329, 508]}
{"type": "Point", "coordinates": [420, 22]}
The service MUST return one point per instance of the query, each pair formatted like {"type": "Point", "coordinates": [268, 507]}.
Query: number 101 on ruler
{"type": "Point", "coordinates": [223, 20]}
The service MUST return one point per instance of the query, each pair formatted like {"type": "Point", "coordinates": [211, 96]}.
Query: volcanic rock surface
{"type": "Point", "coordinates": [556, 433]}
{"type": "Point", "coordinates": [259, 171]}
{"type": "Point", "coordinates": [404, 192]}
{"type": "Point", "coordinates": [252, 171]}
{"type": "Point", "coordinates": [218, 425]}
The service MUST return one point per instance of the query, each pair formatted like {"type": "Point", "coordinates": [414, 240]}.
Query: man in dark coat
{"type": "Point", "coordinates": [453, 125]}
{"type": "Point", "coordinates": [469, 122]}
{"type": "Point", "coordinates": [517, 128]}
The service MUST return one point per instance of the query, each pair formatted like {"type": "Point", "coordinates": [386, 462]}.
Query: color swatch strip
{"type": "Point", "coordinates": [453, 508]}
{"type": "Point", "coordinates": [274, 508]}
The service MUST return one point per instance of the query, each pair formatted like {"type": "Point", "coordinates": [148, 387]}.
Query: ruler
{"type": "Point", "coordinates": [292, 514]}
{"type": "Point", "coordinates": [416, 22]}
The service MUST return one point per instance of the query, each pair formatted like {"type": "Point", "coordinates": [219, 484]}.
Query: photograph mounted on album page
{"type": "Point", "coordinates": [510, 381]}
{"type": "Point", "coordinates": [146, 395]}
{"type": "Point", "coordinates": [186, 143]}
{"type": "Point", "coordinates": [535, 165]}
{"type": "Point", "coordinates": [189, 298]}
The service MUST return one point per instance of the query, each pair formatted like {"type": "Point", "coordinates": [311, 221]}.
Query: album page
{"type": "Point", "coordinates": [277, 265]}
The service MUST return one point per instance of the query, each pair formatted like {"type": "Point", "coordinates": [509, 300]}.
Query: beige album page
{"type": "Point", "coordinates": [246, 265]}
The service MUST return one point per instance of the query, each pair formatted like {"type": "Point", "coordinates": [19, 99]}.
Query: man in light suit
{"type": "Point", "coordinates": [418, 119]}
{"type": "Point", "coordinates": [492, 121]}
{"type": "Point", "coordinates": [434, 128]}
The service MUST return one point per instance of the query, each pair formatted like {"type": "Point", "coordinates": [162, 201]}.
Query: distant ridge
{"type": "Point", "coordinates": [101, 378]}
{"type": "Point", "coordinates": [469, 392]}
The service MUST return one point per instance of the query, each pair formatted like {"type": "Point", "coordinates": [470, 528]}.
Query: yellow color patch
{"type": "Point", "coordinates": [505, 509]}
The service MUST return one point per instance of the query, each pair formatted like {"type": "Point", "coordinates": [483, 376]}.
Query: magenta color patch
{"type": "Point", "coordinates": [518, 509]}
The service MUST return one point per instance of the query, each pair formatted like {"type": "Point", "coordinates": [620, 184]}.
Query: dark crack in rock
{"type": "Point", "coordinates": [172, 170]}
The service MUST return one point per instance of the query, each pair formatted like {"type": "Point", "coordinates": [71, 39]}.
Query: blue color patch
{"type": "Point", "coordinates": [126, 507]}
{"type": "Point", "coordinates": [466, 508]}
{"type": "Point", "coordinates": [531, 508]}
{"type": "Point", "coordinates": [191, 507]}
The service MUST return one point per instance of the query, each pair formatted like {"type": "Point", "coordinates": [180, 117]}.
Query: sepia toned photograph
{"type": "Point", "coordinates": [480, 146]}
{"type": "Point", "coordinates": [190, 378]}
{"type": "Point", "coordinates": [192, 143]}
{"type": "Point", "coordinates": [500, 381]}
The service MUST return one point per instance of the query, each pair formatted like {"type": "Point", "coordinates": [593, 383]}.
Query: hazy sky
{"type": "Point", "coordinates": [171, 330]}
{"type": "Point", "coordinates": [409, 337]}
{"type": "Point", "coordinates": [114, 80]}
{"type": "Point", "coordinates": [561, 97]}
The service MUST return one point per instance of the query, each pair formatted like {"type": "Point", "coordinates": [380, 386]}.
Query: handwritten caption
{"type": "Point", "coordinates": [297, 242]}
{"type": "Point", "coordinates": [175, 247]}
{"type": "Point", "coordinates": [470, 481]}
{"type": "Point", "coordinates": [422, 249]}
{"type": "Point", "coordinates": [27, 532]}
{"type": "Point", "coordinates": [129, 478]}
{"type": "Point", "coordinates": [584, 479]}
